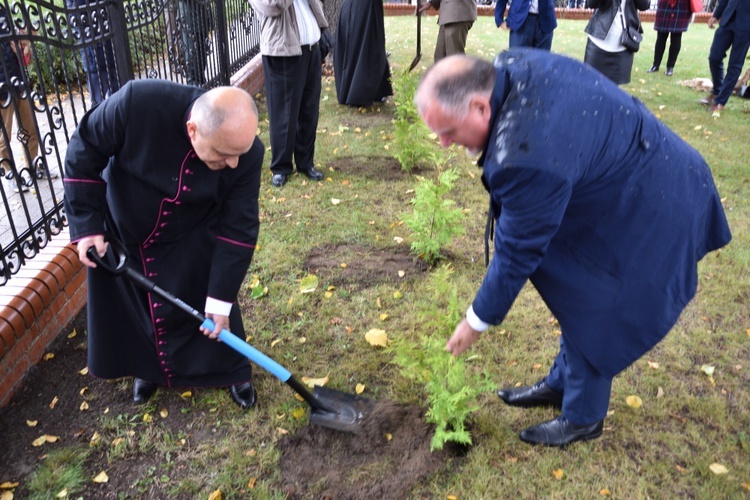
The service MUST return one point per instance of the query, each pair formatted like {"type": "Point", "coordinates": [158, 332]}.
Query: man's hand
{"type": "Point", "coordinates": [504, 26]}
{"type": "Point", "coordinates": [220, 322]}
{"type": "Point", "coordinates": [712, 22]}
{"type": "Point", "coordinates": [462, 338]}
{"type": "Point", "coordinates": [423, 8]}
{"type": "Point", "coordinates": [96, 241]}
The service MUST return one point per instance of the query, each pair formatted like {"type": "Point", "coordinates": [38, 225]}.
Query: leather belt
{"type": "Point", "coordinates": [309, 47]}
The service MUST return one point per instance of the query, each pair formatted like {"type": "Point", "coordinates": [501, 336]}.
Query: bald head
{"type": "Point", "coordinates": [454, 99]}
{"type": "Point", "coordinates": [222, 126]}
{"type": "Point", "coordinates": [453, 81]}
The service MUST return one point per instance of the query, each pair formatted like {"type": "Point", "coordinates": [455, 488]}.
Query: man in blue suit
{"type": "Point", "coordinates": [595, 201]}
{"type": "Point", "coordinates": [733, 17]}
{"type": "Point", "coordinates": [531, 22]}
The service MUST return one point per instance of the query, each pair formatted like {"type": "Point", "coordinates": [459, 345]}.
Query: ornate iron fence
{"type": "Point", "coordinates": [61, 57]}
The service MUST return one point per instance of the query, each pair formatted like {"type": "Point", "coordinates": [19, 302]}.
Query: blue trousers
{"type": "Point", "coordinates": [724, 38]}
{"type": "Point", "coordinates": [530, 35]}
{"type": "Point", "coordinates": [585, 392]}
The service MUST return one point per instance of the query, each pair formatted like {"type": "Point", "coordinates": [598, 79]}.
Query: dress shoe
{"type": "Point", "coordinates": [539, 394]}
{"type": "Point", "coordinates": [708, 101]}
{"type": "Point", "coordinates": [278, 180]}
{"type": "Point", "coordinates": [243, 394]}
{"type": "Point", "coordinates": [715, 110]}
{"type": "Point", "coordinates": [313, 174]}
{"type": "Point", "coordinates": [669, 72]}
{"type": "Point", "coordinates": [142, 390]}
{"type": "Point", "coordinates": [652, 69]}
{"type": "Point", "coordinates": [561, 432]}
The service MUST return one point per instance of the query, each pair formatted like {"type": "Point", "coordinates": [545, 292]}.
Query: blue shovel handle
{"type": "Point", "coordinates": [251, 352]}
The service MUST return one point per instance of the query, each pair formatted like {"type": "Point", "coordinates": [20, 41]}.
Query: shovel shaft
{"type": "Point", "coordinates": [251, 352]}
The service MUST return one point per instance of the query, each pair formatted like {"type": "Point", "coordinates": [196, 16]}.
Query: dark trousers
{"type": "Point", "coordinates": [530, 34]}
{"type": "Point", "coordinates": [724, 38]}
{"type": "Point", "coordinates": [661, 44]}
{"type": "Point", "coordinates": [293, 101]}
{"type": "Point", "coordinates": [585, 392]}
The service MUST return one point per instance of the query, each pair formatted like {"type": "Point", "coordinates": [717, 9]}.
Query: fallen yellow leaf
{"type": "Point", "coordinates": [94, 439]}
{"type": "Point", "coordinates": [634, 401]}
{"type": "Point", "coordinates": [746, 486]}
{"type": "Point", "coordinates": [718, 469]}
{"type": "Point", "coordinates": [251, 483]}
{"type": "Point", "coordinates": [83, 390]}
{"type": "Point", "coordinates": [148, 418]}
{"type": "Point", "coordinates": [343, 265]}
{"type": "Point", "coordinates": [84, 406]}
{"type": "Point", "coordinates": [312, 382]}
{"type": "Point", "coordinates": [164, 413]}
{"type": "Point", "coordinates": [54, 402]}
{"type": "Point", "coordinates": [360, 388]}
{"type": "Point", "coordinates": [275, 342]}
{"type": "Point", "coordinates": [215, 495]}
{"type": "Point", "coordinates": [605, 492]}
{"type": "Point", "coordinates": [6, 495]}
{"type": "Point", "coordinates": [653, 364]}
{"type": "Point", "coordinates": [388, 436]}
{"type": "Point", "coordinates": [30, 423]}
{"type": "Point", "coordinates": [451, 497]}
{"type": "Point", "coordinates": [186, 394]}
{"type": "Point", "coordinates": [49, 356]}
{"type": "Point", "coordinates": [335, 201]}
{"type": "Point", "coordinates": [558, 473]}
{"type": "Point", "coordinates": [680, 469]}
{"type": "Point", "coordinates": [397, 294]}
{"type": "Point", "coordinates": [708, 370]}
{"type": "Point", "coordinates": [298, 413]}
{"type": "Point", "coordinates": [39, 441]}
{"type": "Point", "coordinates": [84, 371]}
{"type": "Point", "coordinates": [383, 317]}
{"type": "Point", "coordinates": [72, 334]}
{"type": "Point", "coordinates": [308, 284]}
{"type": "Point", "coordinates": [377, 337]}
{"type": "Point", "coordinates": [282, 431]}
{"type": "Point", "coordinates": [7, 485]}
{"type": "Point", "coordinates": [328, 295]}
{"type": "Point", "coordinates": [117, 441]}
{"type": "Point", "coordinates": [398, 239]}
{"type": "Point", "coordinates": [401, 274]}
{"type": "Point", "coordinates": [102, 477]}
{"type": "Point", "coordinates": [63, 493]}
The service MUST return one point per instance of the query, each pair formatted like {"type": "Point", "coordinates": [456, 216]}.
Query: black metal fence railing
{"type": "Point", "coordinates": [58, 58]}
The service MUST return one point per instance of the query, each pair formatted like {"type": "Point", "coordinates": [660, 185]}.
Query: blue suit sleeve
{"type": "Point", "coordinates": [500, 11]}
{"type": "Point", "coordinates": [533, 203]}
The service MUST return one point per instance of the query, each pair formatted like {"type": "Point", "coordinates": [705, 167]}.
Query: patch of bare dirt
{"type": "Point", "coordinates": [365, 266]}
{"type": "Point", "coordinates": [387, 461]}
{"type": "Point", "coordinates": [380, 168]}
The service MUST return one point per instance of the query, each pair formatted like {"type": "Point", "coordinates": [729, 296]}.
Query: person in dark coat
{"type": "Point", "coordinates": [173, 172]}
{"type": "Point", "coordinates": [733, 17]}
{"type": "Point", "coordinates": [531, 24]}
{"type": "Point", "coordinates": [672, 19]}
{"type": "Point", "coordinates": [609, 229]}
{"type": "Point", "coordinates": [604, 48]}
{"type": "Point", "coordinates": [360, 64]}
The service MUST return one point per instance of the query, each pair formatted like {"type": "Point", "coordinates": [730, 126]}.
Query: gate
{"type": "Point", "coordinates": [61, 57]}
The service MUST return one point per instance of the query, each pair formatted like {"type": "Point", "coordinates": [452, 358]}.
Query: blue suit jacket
{"type": "Point", "coordinates": [725, 8]}
{"type": "Point", "coordinates": [604, 208]}
{"type": "Point", "coordinates": [519, 11]}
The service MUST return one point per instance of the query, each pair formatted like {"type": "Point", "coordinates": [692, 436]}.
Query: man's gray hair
{"type": "Point", "coordinates": [211, 116]}
{"type": "Point", "coordinates": [455, 89]}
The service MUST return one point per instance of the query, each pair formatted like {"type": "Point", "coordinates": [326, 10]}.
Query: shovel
{"type": "Point", "coordinates": [328, 407]}
{"type": "Point", "coordinates": [419, 37]}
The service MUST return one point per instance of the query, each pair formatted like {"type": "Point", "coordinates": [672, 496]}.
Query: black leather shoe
{"type": "Point", "coordinates": [142, 390]}
{"type": "Point", "coordinates": [560, 432]}
{"type": "Point", "coordinates": [278, 180]}
{"type": "Point", "coordinates": [669, 72]}
{"type": "Point", "coordinates": [539, 394]}
{"type": "Point", "coordinates": [244, 395]}
{"type": "Point", "coordinates": [652, 69]}
{"type": "Point", "coordinates": [313, 174]}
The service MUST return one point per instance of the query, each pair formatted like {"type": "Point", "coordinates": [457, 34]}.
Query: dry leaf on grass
{"type": "Point", "coordinates": [634, 401]}
{"type": "Point", "coordinates": [377, 337]}
{"type": "Point", "coordinates": [718, 469]}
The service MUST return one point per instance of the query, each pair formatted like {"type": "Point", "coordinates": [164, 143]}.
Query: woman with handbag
{"type": "Point", "coordinates": [614, 36]}
{"type": "Point", "coordinates": [672, 17]}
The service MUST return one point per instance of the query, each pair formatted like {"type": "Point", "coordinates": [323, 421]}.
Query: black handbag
{"type": "Point", "coordinates": [631, 37]}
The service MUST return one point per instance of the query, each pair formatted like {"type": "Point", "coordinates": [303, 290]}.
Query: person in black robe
{"type": "Point", "coordinates": [360, 63]}
{"type": "Point", "coordinates": [173, 172]}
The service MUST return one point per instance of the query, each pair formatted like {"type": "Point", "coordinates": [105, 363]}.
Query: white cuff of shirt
{"type": "Point", "coordinates": [215, 306]}
{"type": "Point", "coordinates": [474, 321]}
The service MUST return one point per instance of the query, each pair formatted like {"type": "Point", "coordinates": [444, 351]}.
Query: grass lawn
{"type": "Point", "coordinates": [663, 449]}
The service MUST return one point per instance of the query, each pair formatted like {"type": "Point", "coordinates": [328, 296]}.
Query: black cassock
{"type": "Point", "coordinates": [131, 171]}
{"type": "Point", "coordinates": [360, 63]}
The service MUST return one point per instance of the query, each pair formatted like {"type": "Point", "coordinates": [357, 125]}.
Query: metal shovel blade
{"type": "Point", "coordinates": [350, 410]}
{"type": "Point", "coordinates": [419, 38]}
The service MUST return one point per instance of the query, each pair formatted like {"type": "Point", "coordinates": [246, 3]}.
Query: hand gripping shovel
{"type": "Point", "coordinates": [328, 407]}
{"type": "Point", "coordinates": [419, 38]}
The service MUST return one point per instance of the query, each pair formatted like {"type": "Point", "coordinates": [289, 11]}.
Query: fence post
{"type": "Point", "coordinates": [123, 57]}
{"type": "Point", "coordinates": [222, 39]}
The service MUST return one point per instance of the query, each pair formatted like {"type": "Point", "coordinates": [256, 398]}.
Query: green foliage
{"type": "Point", "coordinates": [63, 469]}
{"type": "Point", "coordinates": [451, 386]}
{"type": "Point", "coordinates": [410, 134]}
{"type": "Point", "coordinates": [433, 222]}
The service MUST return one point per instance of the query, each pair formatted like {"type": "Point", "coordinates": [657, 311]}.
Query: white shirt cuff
{"type": "Point", "coordinates": [474, 321]}
{"type": "Point", "coordinates": [215, 306]}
